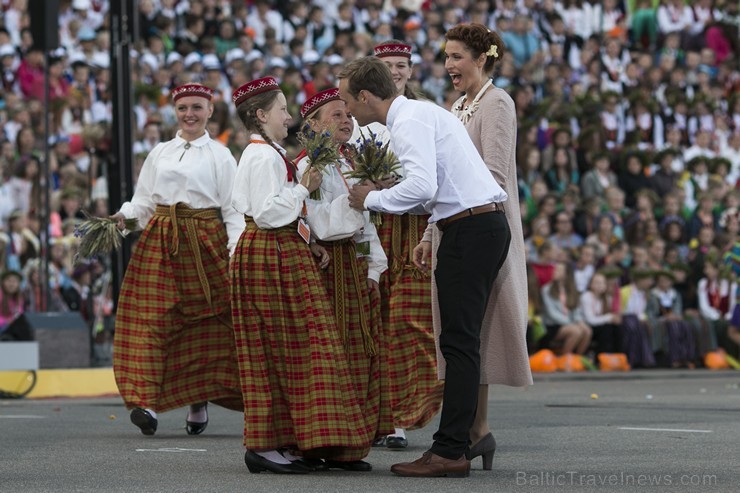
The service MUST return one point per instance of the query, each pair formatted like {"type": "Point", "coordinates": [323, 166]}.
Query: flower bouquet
{"type": "Point", "coordinates": [320, 149]}
{"type": "Point", "coordinates": [373, 161]}
{"type": "Point", "coordinates": [99, 236]}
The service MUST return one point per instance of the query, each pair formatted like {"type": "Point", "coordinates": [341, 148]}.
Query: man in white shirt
{"type": "Point", "coordinates": [445, 176]}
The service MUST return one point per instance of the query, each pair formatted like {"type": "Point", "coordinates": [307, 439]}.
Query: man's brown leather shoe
{"type": "Point", "coordinates": [433, 466]}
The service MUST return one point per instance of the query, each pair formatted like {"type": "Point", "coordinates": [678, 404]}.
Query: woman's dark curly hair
{"type": "Point", "coordinates": [478, 39]}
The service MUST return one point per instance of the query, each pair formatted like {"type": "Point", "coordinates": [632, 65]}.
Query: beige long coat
{"type": "Point", "coordinates": [504, 358]}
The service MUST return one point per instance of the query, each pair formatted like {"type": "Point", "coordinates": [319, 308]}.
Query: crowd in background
{"type": "Point", "coordinates": [628, 143]}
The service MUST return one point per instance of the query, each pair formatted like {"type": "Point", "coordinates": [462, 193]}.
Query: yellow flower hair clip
{"type": "Point", "coordinates": [492, 51]}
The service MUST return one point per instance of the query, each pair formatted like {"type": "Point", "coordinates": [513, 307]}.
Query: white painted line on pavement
{"type": "Point", "coordinates": [172, 449]}
{"type": "Point", "coordinates": [664, 429]}
{"type": "Point", "coordinates": [21, 416]}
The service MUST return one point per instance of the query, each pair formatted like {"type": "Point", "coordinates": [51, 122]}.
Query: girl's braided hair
{"type": "Point", "coordinates": [247, 112]}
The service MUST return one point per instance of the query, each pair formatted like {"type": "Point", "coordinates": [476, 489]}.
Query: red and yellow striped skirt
{"type": "Point", "coordinates": [357, 314]}
{"type": "Point", "coordinates": [174, 342]}
{"type": "Point", "coordinates": [406, 307]}
{"type": "Point", "coordinates": [296, 383]}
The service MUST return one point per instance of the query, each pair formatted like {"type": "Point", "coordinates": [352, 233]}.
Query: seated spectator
{"type": "Point", "coordinates": [636, 333]}
{"type": "Point", "coordinates": [564, 172]}
{"type": "Point", "coordinates": [716, 293]}
{"type": "Point", "coordinates": [19, 244]}
{"type": "Point", "coordinates": [584, 267]}
{"type": "Point", "coordinates": [521, 42]}
{"type": "Point", "coordinates": [656, 254]}
{"type": "Point", "coordinates": [544, 265]}
{"type": "Point", "coordinates": [698, 179]}
{"type": "Point", "coordinates": [587, 216]}
{"type": "Point", "coordinates": [632, 176]}
{"type": "Point", "coordinates": [673, 232]}
{"type": "Point", "coordinates": [599, 178]}
{"type": "Point", "coordinates": [561, 314]}
{"type": "Point", "coordinates": [704, 216]}
{"type": "Point", "coordinates": [664, 179]}
{"type": "Point", "coordinates": [614, 206]}
{"type": "Point", "coordinates": [637, 223]}
{"type": "Point", "coordinates": [596, 305]}
{"type": "Point", "coordinates": [564, 237]}
{"type": "Point", "coordinates": [701, 147]}
{"type": "Point", "coordinates": [672, 335]}
{"type": "Point", "coordinates": [539, 235]}
{"type": "Point", "coordinates": [603, 237]}
{"type": "Point", "coordinates": [13, 325]}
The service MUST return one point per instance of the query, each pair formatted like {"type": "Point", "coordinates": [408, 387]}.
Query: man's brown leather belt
{"type": "Point", "coordinates": [474, 211]}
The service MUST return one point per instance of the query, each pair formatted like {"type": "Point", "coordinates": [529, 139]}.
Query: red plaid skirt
{"type": "Point", "coordinates": [357, 313]}
{"type": "Point", "coordinates": [296, 383]}
{"type": "Point", "coordinates": [174, 342]}
{"type": "Point", "coordinates": [406, 307]}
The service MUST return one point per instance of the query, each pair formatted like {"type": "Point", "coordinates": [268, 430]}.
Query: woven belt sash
{"type": "Point", "coordinates": [249, 220]}
{"type": "Point", "coordinates": [398, 263]}
{"type": "Point", "coordinates": [338, 253]}
{"type": "Point", "coordinates": [184, 213]}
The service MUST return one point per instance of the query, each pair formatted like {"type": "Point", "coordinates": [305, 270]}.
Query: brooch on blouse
{"type": "Point", "coordinates": [187, 146]}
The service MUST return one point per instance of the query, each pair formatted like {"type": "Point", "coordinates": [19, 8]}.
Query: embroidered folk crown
{"type": "Point", "coordinates": [257, 86]}
{"type": "Point", "coordinates": [318, 100]}
{"type": "Point", "coordinates": [393, 49]}
{"type": "Point", "coordinates": [192, 90]}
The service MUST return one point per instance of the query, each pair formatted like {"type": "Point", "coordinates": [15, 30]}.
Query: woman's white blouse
{"type": "Point", "coordinates": [262, 190]}
{"type": "Point", "coordinates": [200, 176]}
{"type": "Point", "coordinates": [331, 218]}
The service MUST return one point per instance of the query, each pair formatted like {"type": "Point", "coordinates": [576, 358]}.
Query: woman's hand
{"type": "Point", "coordinates": [321, 253]}
{"type": "Point", "coordinates": [119, 220]}
{"type": "Point", "coordinates": [311, 179]}
{"type": "Point", "coordinates": [373, 286]}
{"type": "Point", "coordinates": [422, 255]}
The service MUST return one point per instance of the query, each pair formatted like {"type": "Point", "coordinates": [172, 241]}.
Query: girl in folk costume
{"type": "Point", "coordinates": [635, 330]}
{"type": "Point", "coordinates": [174, 343]}
{"type": "Point", "coordinates": [489, 116]}
{"type": "Point", "coordinates": [612, 121]}
{"type": "Point", "coordinates": [351, 277]}
{"type": "Point", "coordinates": [644, 126]}
{"type": "Point", "coordinates": [297, 387]}
{"type": "Point", "coordinates": [696, 181]}
{"type": "Point", "coordinates": [614, 60]}
{"type": "Point", "coordinates": [716, 295]}
{"type": "Point", "coordinates": [671, 333]}
{"type": "Point", "coordinates": [406, 295]}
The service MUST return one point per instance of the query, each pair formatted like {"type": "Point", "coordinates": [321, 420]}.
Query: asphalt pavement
{"type": "Point", "coordinates": [652, 430]}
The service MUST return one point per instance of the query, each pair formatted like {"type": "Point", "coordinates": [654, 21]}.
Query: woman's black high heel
{"type": "Point", "coordinates": [193, 428]}
{"type": "Point", "coordinates": [256, 464]}
{"type": "Point", "coordinates": [485, 448]}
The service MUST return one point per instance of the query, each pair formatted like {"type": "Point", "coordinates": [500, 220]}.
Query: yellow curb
{"type": "Point", "coordinates": [83, 382]}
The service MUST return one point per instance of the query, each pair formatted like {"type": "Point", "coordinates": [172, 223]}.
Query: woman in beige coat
{"type": "Point", "coordinates": [490, 118]}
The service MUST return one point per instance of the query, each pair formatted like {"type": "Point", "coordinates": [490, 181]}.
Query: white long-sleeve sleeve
{"type": "Point", "coordinates": [444, 174]}
{"type": "Point", "coordinates": [377, 261]}
{"type": "Point", "coordinates": [331, 218]}
{"type": "Point", "coordinates": [262, 190]}
{"type": "Point", "coordinates": [726, 289]}
{"type": "Point", "coordinates": [706, 309]}
{"type": "Point", "coordinates": [592, 308]}
{"type": "Point", "coordinates": [199, 174]}
{"type": "Point", "coordinates": [141, 206]}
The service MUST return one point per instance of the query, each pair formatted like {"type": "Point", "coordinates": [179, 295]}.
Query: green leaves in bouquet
{"type": "Point", "coordinates": [99, 236]}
